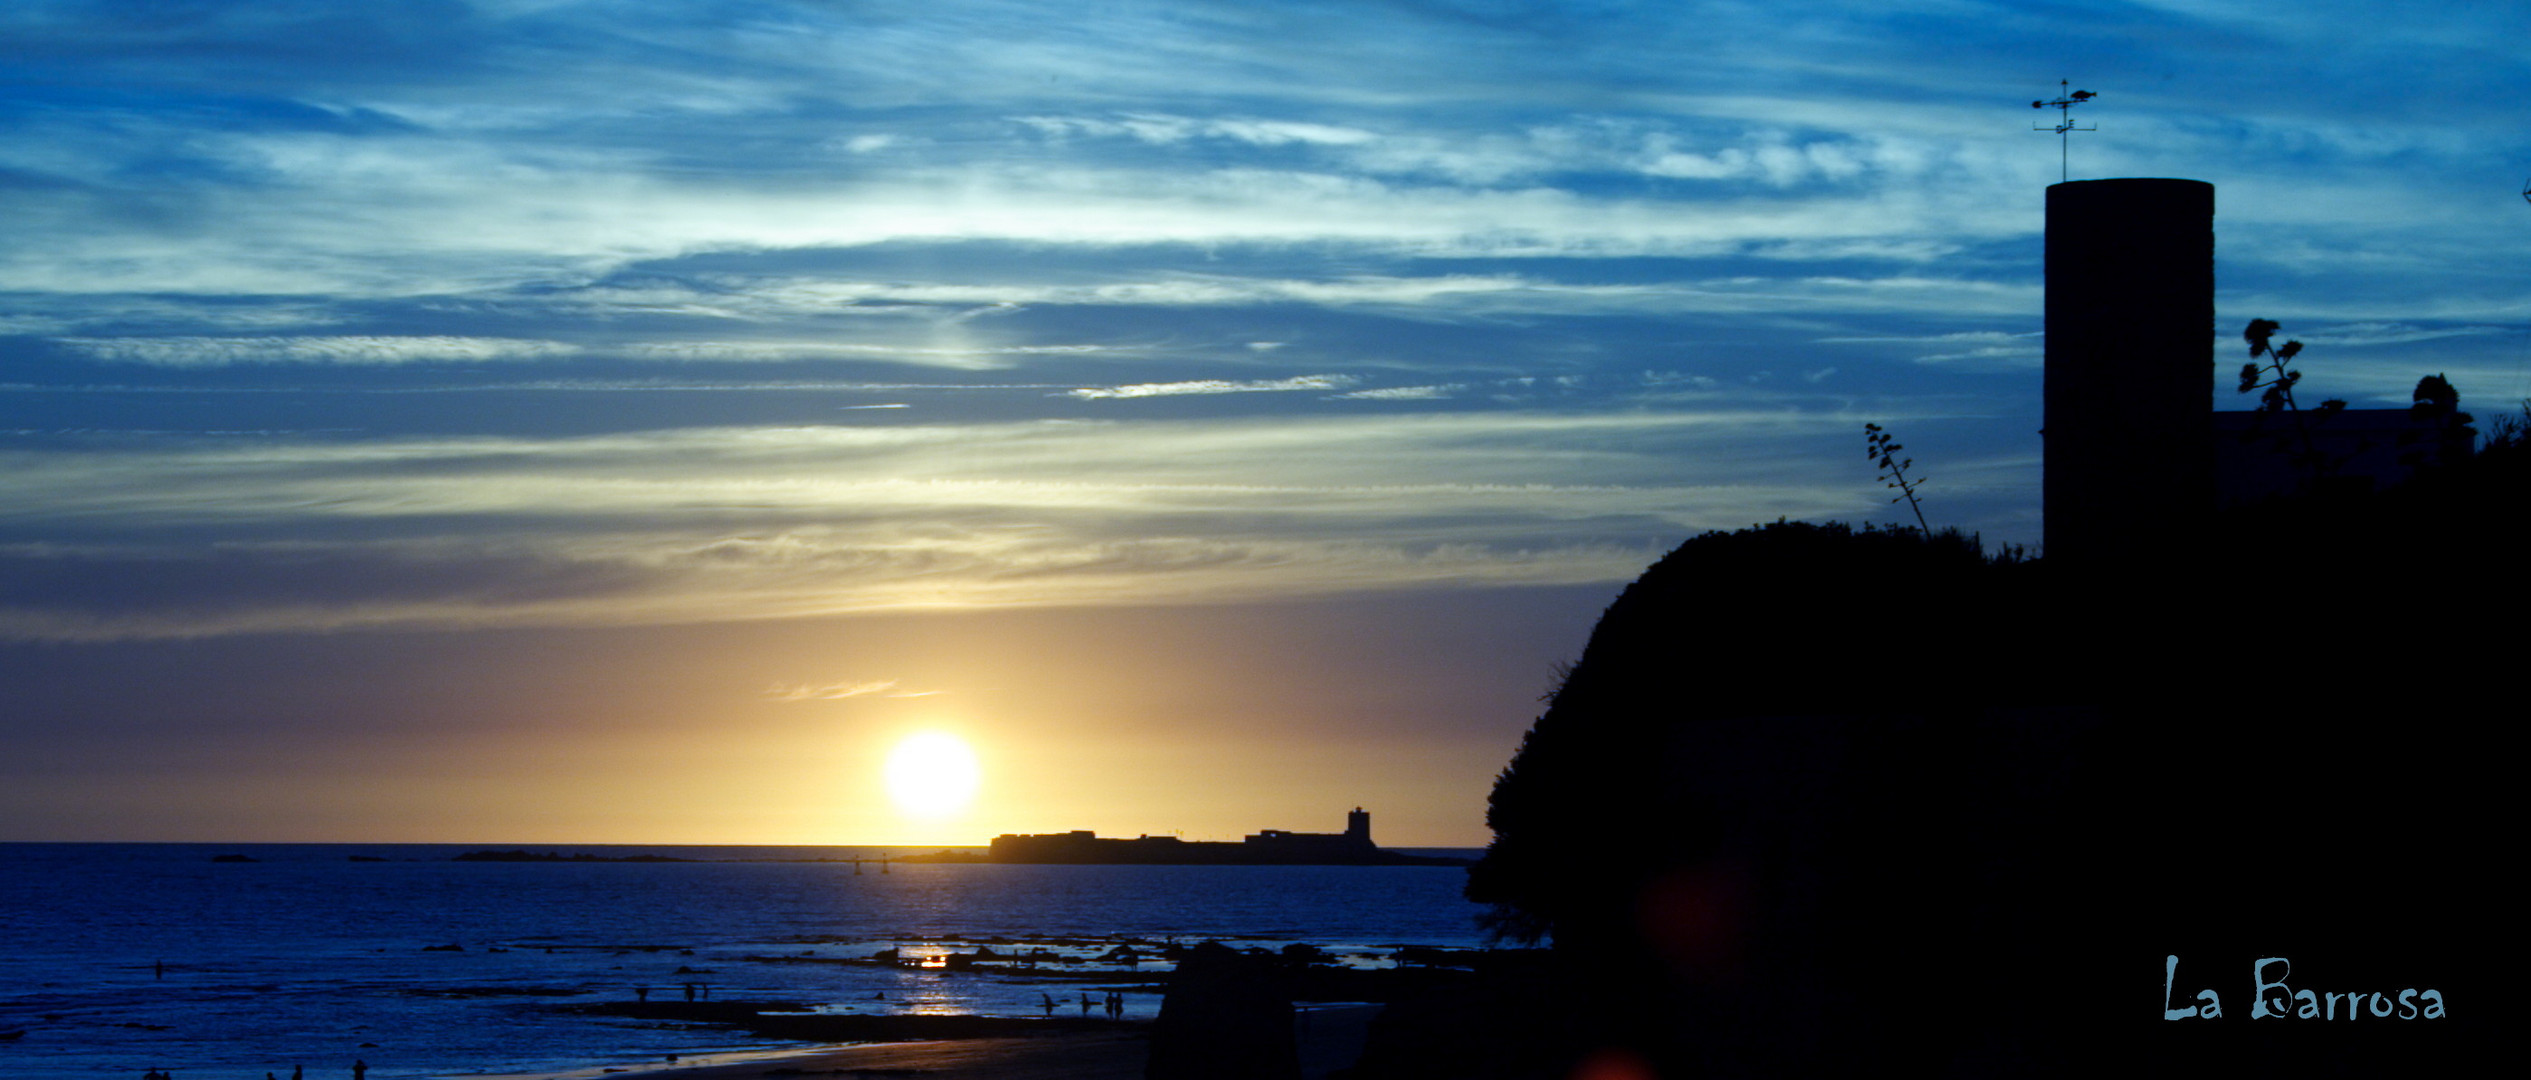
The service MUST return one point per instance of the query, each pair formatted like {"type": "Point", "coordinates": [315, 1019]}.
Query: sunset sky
{"type": "Point", "coordinates": [550, 422]}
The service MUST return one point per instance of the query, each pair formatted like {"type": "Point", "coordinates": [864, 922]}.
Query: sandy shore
{"type": "Point", "coordinates": [1330, 1038]}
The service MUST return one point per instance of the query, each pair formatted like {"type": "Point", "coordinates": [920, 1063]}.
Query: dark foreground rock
{"type": "Point", "coordinates": [1228, 1016]}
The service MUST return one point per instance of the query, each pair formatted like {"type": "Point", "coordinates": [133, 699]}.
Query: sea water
{"type": "Point", "coordinates": [120, 958]}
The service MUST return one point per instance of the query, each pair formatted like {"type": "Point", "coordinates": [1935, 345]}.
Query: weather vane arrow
{"type": "Point", "coordinates": [2064, 105]}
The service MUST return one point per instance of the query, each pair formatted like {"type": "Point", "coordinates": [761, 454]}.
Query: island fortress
{"type": "Point", "coordinates": [1270, 847]}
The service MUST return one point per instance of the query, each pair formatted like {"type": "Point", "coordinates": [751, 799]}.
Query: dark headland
{"type": "Point", "coordinates": [1825, 801]}
{"type": "Point", "coordinates": [1271, 847]}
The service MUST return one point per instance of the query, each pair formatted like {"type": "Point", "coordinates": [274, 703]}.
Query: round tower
{"type": "Point", "coordinates": [2130, 367]}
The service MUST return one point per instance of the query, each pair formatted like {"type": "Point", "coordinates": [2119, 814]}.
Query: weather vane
{"type": "Point", "coordinates": [2064, 105]}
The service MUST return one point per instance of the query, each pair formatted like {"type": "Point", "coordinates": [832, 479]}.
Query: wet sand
{"type": "Point", "coordinates": [1099, 1056]}
{"type": "Point", "coordinates": [1330, 1038]}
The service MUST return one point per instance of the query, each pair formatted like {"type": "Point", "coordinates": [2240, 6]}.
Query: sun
{"type": "Point", "coordinates": [931, 774]}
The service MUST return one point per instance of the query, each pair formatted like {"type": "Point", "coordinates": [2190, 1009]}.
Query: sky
{"type": "Point", "coordinates": [581, 422]}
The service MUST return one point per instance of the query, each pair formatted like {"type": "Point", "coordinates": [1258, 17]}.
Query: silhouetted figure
{"type": "Point", "coordinates": [360, 1069]}
{"type": "Point", "coordinates": [1046, 1002]}
{"type": "Point", "coordinates": [641, 994]}
{"type": "Point", "coordinates": [1085, 1003]}
{"type": "Point", "coordinates": [1115, 1004]}
{"type": "Point", "coordinates": [689, 992]}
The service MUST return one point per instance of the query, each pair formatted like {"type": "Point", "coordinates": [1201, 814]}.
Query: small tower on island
{"type": "Point", "coordinates": [1358, 827]}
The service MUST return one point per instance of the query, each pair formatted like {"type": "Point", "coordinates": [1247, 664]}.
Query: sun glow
{"type": "Point", "coordinates": [932, 774]}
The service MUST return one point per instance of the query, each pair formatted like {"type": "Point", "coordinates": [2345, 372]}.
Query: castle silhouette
{"type": "Point", "coordinates": [1267, 847]}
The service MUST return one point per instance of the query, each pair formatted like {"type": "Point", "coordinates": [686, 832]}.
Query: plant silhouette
{"type": "Point", "coordinates": [2278, 382]}
{"type": "Point", "coordinates": [1883, 446]}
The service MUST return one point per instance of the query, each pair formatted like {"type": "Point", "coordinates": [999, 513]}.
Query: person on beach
{"type": "Point", "coordinates": [1115, 1004]}
{"type": "Point", "coordinates": [642, 994]}
{"type": "Point", "coordinates": [689, 993]}
{"type": "Point", "coordinates": [1085, 1003]}
{"type": "Point", "coordinates": [360, 1070]}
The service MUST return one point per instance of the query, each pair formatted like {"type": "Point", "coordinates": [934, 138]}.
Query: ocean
{"type": "Point", "coordinates": [116, 959]}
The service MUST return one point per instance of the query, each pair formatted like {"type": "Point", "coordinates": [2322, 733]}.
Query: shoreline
{"type": "Point", "coordinates": [703, 1064]}
{"type": "Point", "coordinates": [1075, 1055]}
{"type": "Point", "coordinates": [1331, 1020]}
{"type": "Point", "coordinates": [1330, 1037]}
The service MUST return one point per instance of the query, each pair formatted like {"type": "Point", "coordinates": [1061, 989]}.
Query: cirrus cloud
{"type": "Point", "coordinates": [360, 350]}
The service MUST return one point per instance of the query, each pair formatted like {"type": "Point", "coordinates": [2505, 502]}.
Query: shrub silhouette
{"type": "Point", "coordinates": [1740, 617]}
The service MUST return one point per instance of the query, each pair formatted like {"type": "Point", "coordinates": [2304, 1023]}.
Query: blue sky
{"type": "Point", "coordinates": [405, 328]}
